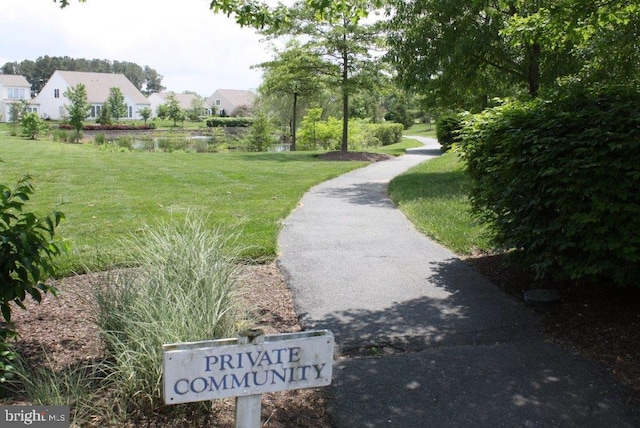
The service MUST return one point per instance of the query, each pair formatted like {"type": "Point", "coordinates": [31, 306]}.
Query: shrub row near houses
{"type": "Point", "coordinates": [116, 127]}
{"type": "Point", "coordinates": [387, 133]}
{"type": "Point", "coordinates": [447, 127]}
{"type": "Point", "coordinates": [230, 122]}
{"type": "Point", "coordinates": [558, 180]}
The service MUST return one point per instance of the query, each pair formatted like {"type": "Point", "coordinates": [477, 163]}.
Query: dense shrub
{"type": "Point", "coordinates": [387, 133]}
{"type": "Point", "coordinates": [558, 179]}
{"type": "Point", "coordinates": [447, 128]}
{"type": "Point", "coordinates": [231, 122]}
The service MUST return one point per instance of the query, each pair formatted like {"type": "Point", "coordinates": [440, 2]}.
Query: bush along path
{"type": "Point", "coordinates": [437, 343]}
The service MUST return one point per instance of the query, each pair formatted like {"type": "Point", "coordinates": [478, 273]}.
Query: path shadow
{"type": "Point", "coordinates": [369, 194]}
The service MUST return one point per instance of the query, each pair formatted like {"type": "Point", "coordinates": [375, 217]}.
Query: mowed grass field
{"type": "Point", "coordinates": [107, 196]}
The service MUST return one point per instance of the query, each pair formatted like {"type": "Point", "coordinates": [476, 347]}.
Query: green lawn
{"type": "Point", "coordinates": [422, 130]}
{"type": "Point", "coordinates": [433, 195]}
{"type": "Point", "coordinates": [108, 195]}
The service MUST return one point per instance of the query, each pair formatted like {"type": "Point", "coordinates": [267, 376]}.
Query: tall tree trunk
{"type": "Point", "coordinates": [345, 99]}
{"type": "Point", "coordinates": [533, 72]}
{"type": "Point", "coordinates": [295, 122]}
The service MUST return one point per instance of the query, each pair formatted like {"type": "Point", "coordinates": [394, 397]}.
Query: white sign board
{"type": "Point", "coordinates": [223, 368]}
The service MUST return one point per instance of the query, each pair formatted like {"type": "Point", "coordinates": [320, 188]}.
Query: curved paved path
{"type": "Point", "coordinates": [443, 346]}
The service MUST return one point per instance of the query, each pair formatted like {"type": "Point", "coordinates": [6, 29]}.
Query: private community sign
{"type": "Point", "coordinates": [228, 368]}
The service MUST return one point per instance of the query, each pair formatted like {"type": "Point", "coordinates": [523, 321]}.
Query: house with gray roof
{"type": "Point", "coordinates": [227, 101]}
{"type": "Point", "coordinates": [13, 89]}
{"type": "Point", "coordinates": [52, 101]}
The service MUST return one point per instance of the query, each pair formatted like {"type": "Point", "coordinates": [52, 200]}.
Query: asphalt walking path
{"type": "Point", "coordinates": [422, 339]}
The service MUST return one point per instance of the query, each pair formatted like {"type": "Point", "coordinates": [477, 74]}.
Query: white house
{"type": "Point", "coordinates": [13, 89]}
{"type": "Point", "coordinates": [185, 101]}
{"type": "Point", "coordinates": [52, 101]}
{"type": "Point", "coordinates": [228, 100]}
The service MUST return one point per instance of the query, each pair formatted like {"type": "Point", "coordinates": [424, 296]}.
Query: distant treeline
{"type": "Point", "coordinates": [38, 72]}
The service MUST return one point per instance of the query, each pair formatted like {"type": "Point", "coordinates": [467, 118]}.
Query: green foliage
{"type": "Point", "coordinates": [447, 128]}
{"type": "Point", "coordinates": [64, 136]}
{"type": "Point", "coordinates": [230, 122]}
{"type": "Point", "coordinates": [316, 134]}
{"type": "Point", "coordinates": [145, 113]}
{"type": "Point", "coordinates": [17, 110]}
{"type": "Point", "coordinates": [558, 180]}
{"type": "Point", "coordinates": [117, 103]}
{"type": "Point", "coordinates": [32, 126]}
{"type": "Point", "coordinates": [173, 110]}
{"type": "Point", "coordinates": [79, 109]}
{"type": "Point", "coordinates": [190, 265]}
{"type": "Point", "coordinates": [162, 111]}
{"type": "Point", "coordinates": [27, 250]}
{"type": "Point", "coordinates": [105, 115]}
{"type": "Point", "coordinates": [387, 133]}
{"type": "Point", "coordinates": [260, 137]}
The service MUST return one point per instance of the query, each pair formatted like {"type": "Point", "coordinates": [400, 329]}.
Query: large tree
{"type": "Point", "coordinates": [336, 31]}
{"type": "Point", "coordinates": [462, 52]}
{"type": "Point", "coordinates": [295, 72]}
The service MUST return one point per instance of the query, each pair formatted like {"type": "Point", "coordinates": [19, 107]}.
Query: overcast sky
{"type": "Point", "coordinates": [182, 40]}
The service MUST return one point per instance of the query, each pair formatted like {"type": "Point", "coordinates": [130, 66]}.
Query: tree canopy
{"type": "Point", "coordinates": [462, 53]}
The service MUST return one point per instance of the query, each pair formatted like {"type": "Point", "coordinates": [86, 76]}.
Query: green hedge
{"type": "Point", "coordinates": [559, 179]}
{"type": "Point", "coordinates": [447, 127]}
{"type": "Point", "coordinates": [387, 133]}
{"type": "Point", "coordinates": [230, 122]}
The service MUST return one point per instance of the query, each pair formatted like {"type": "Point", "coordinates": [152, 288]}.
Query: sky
{"type": "Point", "coordinates": [191, 47]}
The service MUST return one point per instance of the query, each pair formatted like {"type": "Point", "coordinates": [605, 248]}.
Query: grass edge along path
{"type": "Point", "coordinates": [434, 197]}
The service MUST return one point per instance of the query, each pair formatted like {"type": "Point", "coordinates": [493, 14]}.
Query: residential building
{"type": "Point", "coordinates": [185, 101]}
{"type": "Point", "coordinates": [13, 89]}
{"type": "Point", "coordinates": [226, 101]}
{"type": "Point", "coordinates": [52, 101]}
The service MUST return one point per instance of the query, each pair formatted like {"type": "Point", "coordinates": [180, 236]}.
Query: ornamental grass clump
{"type": "Point", "coordinates": [183, 291]}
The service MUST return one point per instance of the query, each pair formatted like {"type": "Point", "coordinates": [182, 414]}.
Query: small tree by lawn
{"type": "Point", "coordinates": [79, 109]}
{"type": "Point", "coordinates": [174, 111]}
{"type": "Point", "coordinates": [145, 113]}
{"type": "Point", "coordinates": [117, 103]}
{"type": "Point", "coordinates": [32, 125]}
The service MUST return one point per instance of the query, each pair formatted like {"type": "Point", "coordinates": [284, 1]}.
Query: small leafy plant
{"type": "Point", "coordinates": [27, 249]}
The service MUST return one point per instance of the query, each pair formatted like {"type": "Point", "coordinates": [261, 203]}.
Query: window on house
{"type": "Point", "coordinates": [98, 110]}
{"type": "Point", "coordinates": [217, 102]}
{"type": "Point", "coordinates": [15, 93]}
{"type": "Point", "coordinates": [56, 93]}
{"type": "Point", "coordinates": [130, 112]}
